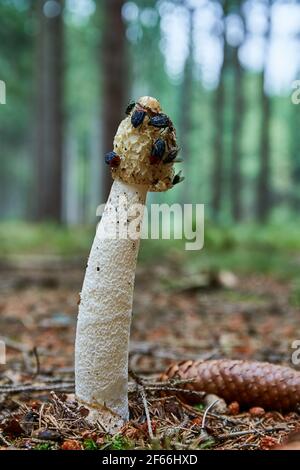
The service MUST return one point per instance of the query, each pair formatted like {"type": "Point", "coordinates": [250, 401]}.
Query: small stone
{"type": "Point", "coordinates": [219, 404]}
{"type": "Point", "coordinates": [48, 435]}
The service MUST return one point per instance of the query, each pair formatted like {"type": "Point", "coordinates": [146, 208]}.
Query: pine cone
{"type": "Point", "coordinates": [249, 383]}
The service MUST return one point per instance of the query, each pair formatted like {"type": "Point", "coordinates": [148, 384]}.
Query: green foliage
{"type": "Point", "coordinates": [120, 443]}
{"type": "Point", "coordinates": [274, 236]}
{"type": "Point", "coordinates": [242, 249]}
{"type": "Point", "coordinates": [90, 444]}
{"type": "Point", "coordinates": [199, 406]}
{"type": "Point", "coordinates": [207, 444]}
{"type": "Point", "coordinates": [44, 446]}
{"type": "Point", "coordinates": [15, 116]}
{"type": "Point", "coordinates": [148, 75]}
{"type": "Point", "coordinates": [47, 239]}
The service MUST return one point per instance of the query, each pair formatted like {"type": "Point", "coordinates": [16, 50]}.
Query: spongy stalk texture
{"type": "Point", "coordinates": [101, 351]}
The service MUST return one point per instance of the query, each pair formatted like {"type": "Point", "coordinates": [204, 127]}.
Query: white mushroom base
{"type": "Point", "coordinates": [102, 338]}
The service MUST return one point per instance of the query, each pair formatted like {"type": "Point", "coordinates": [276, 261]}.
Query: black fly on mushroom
{"type": "Point", "coordinates": [164, 149]}
{"type": "Point", "coordinates": [112, 159]}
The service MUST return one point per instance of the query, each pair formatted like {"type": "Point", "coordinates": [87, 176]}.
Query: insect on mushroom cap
{"type": "Point", "coordinates": [134, 143]}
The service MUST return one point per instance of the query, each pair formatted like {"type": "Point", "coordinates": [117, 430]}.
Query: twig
{"type": "Point", "coordinates": [175, 389]}
{"type": "Point", "coordinates": [63, 405]}
{"type": "Point", "coordinates": [153, 371]}
{"type": "Point", "coordinates": [10, 343]}
{"type": "Point", "coordinates": [144, 399]}
{"type": "Point", "coordinates": [171, 382]}
{"type": "Point", "coordinates": [61, 387]}
{"type": "Point", "coordinates": [227, 419]}
{"type": "Point", "coordinates": [206, 411]}
{"type": "Point", "coordinates": [148, 383]}
{"type": "Point", "coordinates": [2, 438]}
{"type": "Point", "coordinates": [37, 361]}
{"type": "Point", "coordinates": [41, 414]}
{"type": "Point", "coordinates": [249, 446]}
{"type": "Point", "coordinates": [152, 351]}
{"type": "Point", "coordinates": [51, 380]}
{"type": "Point", "coordinates": [162, 399]}
{"type": "Point", "coordinates": [251, 431]}
{"type": "Point", "coordinates": [41, 441]}
{"type": "Point", "coordinates": [141, 389]}
{"type": "Point", "coordinates": [135, 377]}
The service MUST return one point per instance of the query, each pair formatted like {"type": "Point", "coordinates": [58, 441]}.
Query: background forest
{"type": "Point", "coordinates": [222, 69]}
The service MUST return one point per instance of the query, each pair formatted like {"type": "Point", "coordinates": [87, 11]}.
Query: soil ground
{"type": "Point", "coordinates": [208, 315]}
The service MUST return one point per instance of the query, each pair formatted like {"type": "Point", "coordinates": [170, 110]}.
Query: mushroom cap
{"type": "Point", "coordinates": [134, 146]}
{"type": "Point", "coordinates": [149, 103]}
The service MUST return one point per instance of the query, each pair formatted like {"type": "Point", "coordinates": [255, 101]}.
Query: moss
{"type": "Point", "coordinates": [207, 444]}
{"type": "Point", "coordinates": [199, 406]}
{"type": "Point", "coordinates": [44, 446]}
{"type": "Point", "coordinates": [90, 444]}
{"type": "Point", "coordinates": [120, 443]}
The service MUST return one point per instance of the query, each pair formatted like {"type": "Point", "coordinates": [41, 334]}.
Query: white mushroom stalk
{"type": "Point", "coordinates": [144, 152]}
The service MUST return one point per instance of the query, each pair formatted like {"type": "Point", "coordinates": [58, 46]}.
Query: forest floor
{"type": "Point", "coordinates": [177, 315]}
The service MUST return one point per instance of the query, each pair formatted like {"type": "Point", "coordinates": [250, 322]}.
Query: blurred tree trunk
{"type": "Point", "coordinates": [115, 83]}
{"type": "Point", "coordinates": [185, 123]}
{"type": "Point", "coordinates": [70, 181]}
{"type": "Point", "coordinates": [295, 157]}
{"type": "Point", "coordinates": [263, 182]}
{"type": "Point", "coordinates": [237, 126]}
{"type": "Point", "coordinates": [218, 111]}
{"type": "Point", "coordinates": [49, 125]}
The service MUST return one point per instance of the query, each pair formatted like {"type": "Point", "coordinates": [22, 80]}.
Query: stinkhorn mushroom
{"type": "Point", "coordinates": [141, 161]}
